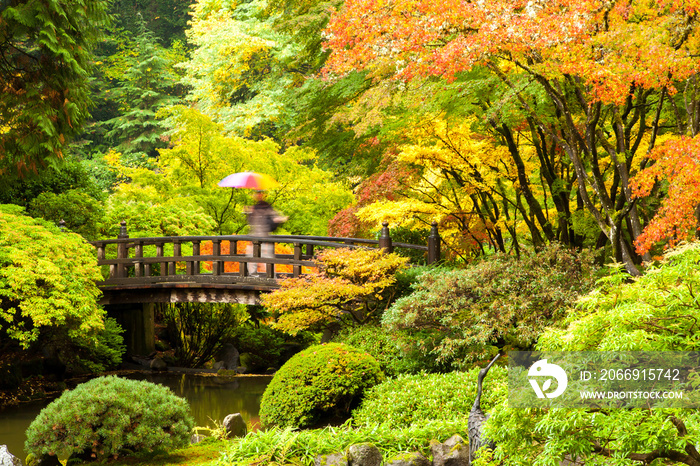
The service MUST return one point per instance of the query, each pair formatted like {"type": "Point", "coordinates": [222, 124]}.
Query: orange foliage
{"type": "Point", "coordinates": [677, 162]}
{"type": "Point", "coordinates": [607, 45]}
{"type": "Point", "coordinates": [241, 246]}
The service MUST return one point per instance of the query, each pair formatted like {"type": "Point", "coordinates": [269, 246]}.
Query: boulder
{"type": "Point", "coordinates": [7, 458]}
{"type": "Point", "coordinates": [408, 459]}
{"type": "Point", "coordinates": [235, 425]}
{"type": "Point", "coordinates": [334, 459]}
{"type": "Point", "coordinates": [218, 365]}
{"type": "Point", "coordinates": [364, 454]}
{"type": "Point", "coordinates": [454, 452]}
{"type": "Point", "coordinates": [229, 356]}
{"type": "Point", "coordinates": [157, 364]}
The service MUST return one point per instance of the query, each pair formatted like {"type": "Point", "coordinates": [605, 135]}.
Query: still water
{"type": "Point", "coordinates": [211, 399]}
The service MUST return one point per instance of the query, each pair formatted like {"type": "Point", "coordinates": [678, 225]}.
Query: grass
{"type": "Point", "coordinates": [205, 453]}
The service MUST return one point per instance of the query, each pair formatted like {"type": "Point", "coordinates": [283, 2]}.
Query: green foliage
{"type": "Point", "coordinates": [109, 417]}
{"type": "Point", "coordinates": [80, 212]}
{"type": "Point", "coordinates": [69, 174]}
{"type": "Point", "coordinates": [655, 312]}
{"type": "Point", "coordinates": [47, 56]}
{"type": "Point", "coordinates": [90, 354]}
{"type": "Point", "coordinates": [349, 290]}
{"type": "Point", "coordinates": [397, 352]}
{"type": "Point", "coordinates": [48, 280]}
{"type": "Point", "coordinates": [503, 302]}
{"type": "Point", "coordinates": [290, 446]}
{"type": "Point", "coordinates": [198, 330]}
{"type": "Point", "coordinates": [320, 382]}
{"type": "Point", "coordinates": [413, 400]}
{"type": "Point", "coordinates": [147, 84]}
{"type": "Point", "coordinates": [263, 344]}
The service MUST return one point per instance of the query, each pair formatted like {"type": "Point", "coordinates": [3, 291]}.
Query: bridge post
{"type": "Point", "coordinates": [433, 244]}
{"type": "Point", "coordinates": [385, 238]}
{"type": "Point", "coordinates": [122, 250]}
{"type": "Point", "coordinates": [138, 322]}
{"type": "Point", "coordinates": [296, 270]}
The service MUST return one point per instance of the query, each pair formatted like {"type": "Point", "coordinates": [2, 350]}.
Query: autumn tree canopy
{"type": "Point", "coordinates": [595, 82]}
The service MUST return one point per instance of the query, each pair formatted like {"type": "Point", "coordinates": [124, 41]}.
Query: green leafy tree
{"type": "Point", "coordinates": [502, 302]}
{"type": "Point", "coordinates": [66, 175]}
{"type": "Point", "coordinates": [47, 54]}
{"type": "Point", "coordinates": [655, 312]}
{"type": "Point", "coordinates": [79, 212]}
{"type": "Point", "coordinates": [48, 280]}
{"type": "Point", "coordinates": [201, 155]}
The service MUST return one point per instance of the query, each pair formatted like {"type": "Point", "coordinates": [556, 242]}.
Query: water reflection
{"type": "Point", "coordinates": [211, 399]}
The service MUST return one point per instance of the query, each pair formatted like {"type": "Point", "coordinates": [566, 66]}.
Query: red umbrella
{"type": "Point", "coordinates": [250, 180]}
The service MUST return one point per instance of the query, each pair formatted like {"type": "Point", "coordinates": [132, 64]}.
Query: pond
{"type": "Point", "coordinates": [211, 399]}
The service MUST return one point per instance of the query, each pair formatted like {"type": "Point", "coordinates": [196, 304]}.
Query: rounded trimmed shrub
{"type": "Point", "coordinates": [111, 417]}
{"type": "Point", "coordinates": [321, 382]}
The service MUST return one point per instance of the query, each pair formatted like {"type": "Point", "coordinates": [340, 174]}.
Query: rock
{"type": "Point", "coordinates": [454, 452]}
{"type": "Point", "coordinates": [7, 458]}
{"type": "Point", "coordinates": [408, 459]}
{"type": "Point", "coordinates": [364, 454]}
{"type": "Point", "coordinates": [157, 364]}
{"type": "Point", "coordinates": [235, 425]}
{"type": "Point", "coordinates": [218, 365]}
{"type": "Point", "coordinates": [196, 438]}
{"type": "Point", "coordinates": [229, 356]}
{"type": "Point", "coordinates": [335, 459]}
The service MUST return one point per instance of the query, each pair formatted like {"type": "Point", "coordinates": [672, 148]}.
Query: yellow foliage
{"type": "Point", "coordinates": [460, 170]}
{"type": "Point", "coordinates": [349, 286]}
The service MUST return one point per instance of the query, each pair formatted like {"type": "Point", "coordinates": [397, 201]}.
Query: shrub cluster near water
{"type": "Point", "coordinates": [109, 417]}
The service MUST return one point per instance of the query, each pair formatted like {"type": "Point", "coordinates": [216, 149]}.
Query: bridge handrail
{"type": "Point", "coordinates": [140, 265]}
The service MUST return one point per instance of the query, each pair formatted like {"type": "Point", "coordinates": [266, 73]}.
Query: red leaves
{"type": "Point", "coordinates": [677, 166]}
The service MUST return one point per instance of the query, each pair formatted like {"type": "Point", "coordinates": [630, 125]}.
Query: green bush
{"type": "Point", "coordinates": [264, 345]}
{"type": "Point", "coordinates": [504, 302]}
{"type": "Point", "coordinates": [197, 331]}
{"type": "Point", "coordinates": [110, 417]}
{"type": "Point", "coordinates": [418, 399]}
{"type": "Point", "coordinates": [321, 382]}
{"type": "Point", "coordinates": [396, 352]}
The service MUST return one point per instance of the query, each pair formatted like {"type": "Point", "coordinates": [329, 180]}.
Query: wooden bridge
{"type": "Point", "coordinates": [143, 271]}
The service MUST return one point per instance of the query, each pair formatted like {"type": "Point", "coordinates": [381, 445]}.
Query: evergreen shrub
{"type": "Point", "coordinates": [111, 417]}
{"type": "Point", "coordinates": [321, 382]}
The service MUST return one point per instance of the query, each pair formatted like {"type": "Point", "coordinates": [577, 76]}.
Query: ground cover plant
{"type": "Point", "coordinates": [285, 446]}
{"type": "Point", "coordinates": [414, 400]}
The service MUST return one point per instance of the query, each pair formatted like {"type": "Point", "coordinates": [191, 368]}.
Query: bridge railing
{"type": "Point", "coordinates": [218, 259]}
